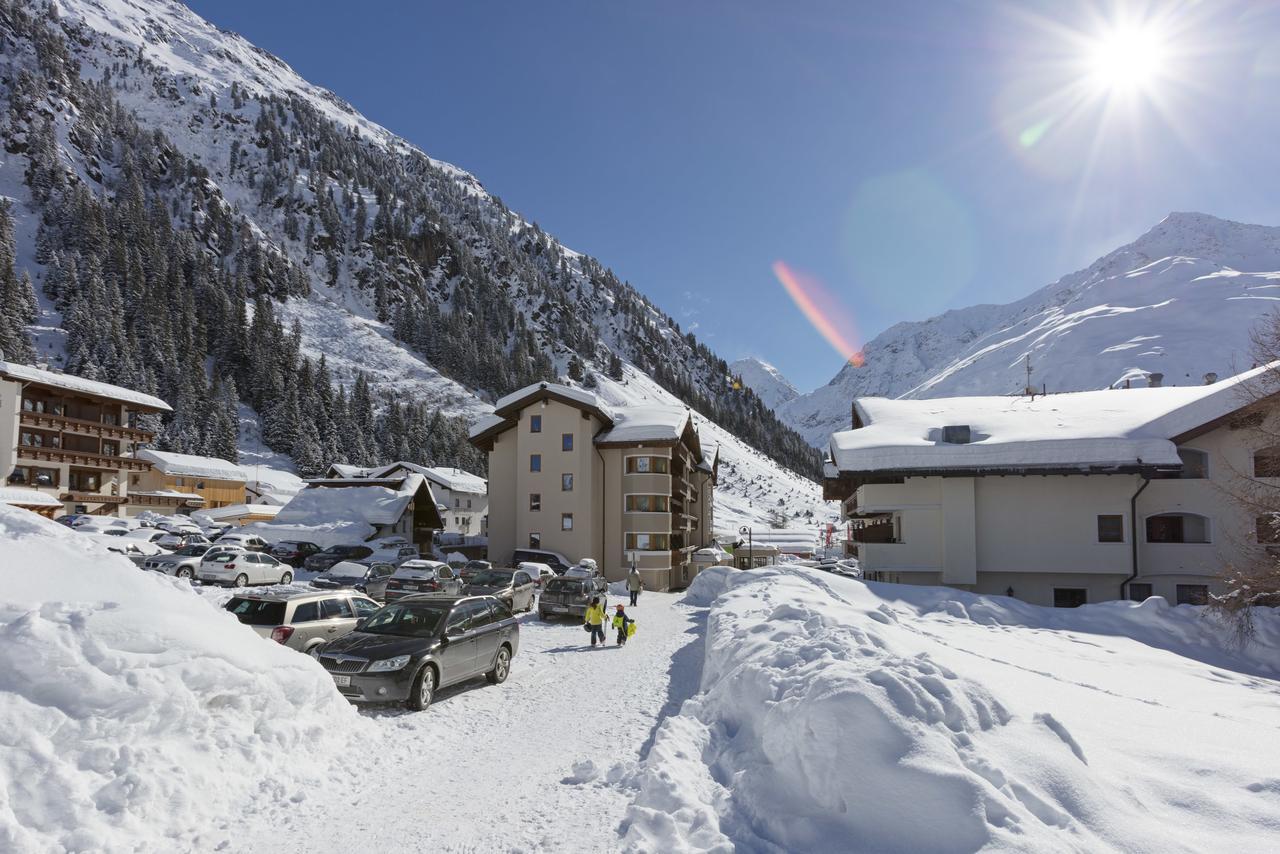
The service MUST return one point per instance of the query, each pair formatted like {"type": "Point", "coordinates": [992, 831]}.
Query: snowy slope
{"type": "Point", "coordinates": [1180, 301]}
{"type": "Point", "coordinates": [840, 716]}
{"type": "Point", "coordinates": [765, 380]}
{"type": "Point", "coordinates": [181, 77]}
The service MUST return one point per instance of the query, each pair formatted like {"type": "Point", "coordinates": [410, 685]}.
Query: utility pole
{"type": "Point", "coordinates": [1029, 390]}
{"type": "Point", "coordinates": [750, 548]}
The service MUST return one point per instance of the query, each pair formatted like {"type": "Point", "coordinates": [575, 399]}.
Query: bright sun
{"type": "Point", "coordinates": [1127, 59]}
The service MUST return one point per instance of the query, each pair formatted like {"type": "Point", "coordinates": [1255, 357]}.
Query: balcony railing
{"type": "Point", "coordinates": [45, 421]}
{"type": "Point", "coordinates": [873, 534]}
{"type": "Point", "coordinates": [82, 458]}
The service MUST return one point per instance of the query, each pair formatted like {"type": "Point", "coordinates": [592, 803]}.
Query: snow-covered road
{"type": "Point", "coordinates": [491, 768]}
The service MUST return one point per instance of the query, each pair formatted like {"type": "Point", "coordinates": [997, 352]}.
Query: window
{"type": "Point", "coordinates": [334, 609]}
{"type": "Point", "coordinates": [648, 504]}
{"type": "Point", "coordinates": [1139, 592]}
{"type": "Point", "coordinates": [306, 612]}
{"type": "Point", "coordinates": [1195, 464]}
{"type": "Point", "coordinates": [1069, 597]}
{"type": "Point", "coordinates": [177, 481]}
{"type": "Point", "coordinates": [1267, 531]}
{"type": "Point", "coordinates": [566, 483]}
{"type": "Point", "coordinates": [1193, 594]}
{"type": "Point", "coordinates": [364, 607]}
{"type": "Point", "coordinates": [535, 423]}
{"type": "Point", "coordinates": [468, 503]}
{"type": "Point", "coordinates": [648, 542]}
{"type": "Point", "coordinates": [535, 462]}
{"type": "Point", "coordinates": [457, 502]}
{"type": "Point", "coordinates": [1266, 462]}
{"type": "Point", "coordinates": [566, 521]}
{"type": "Point", "coordinates": [535, 501]}
{"type": "Point", "coordinates": [535, 541]}
{"type": "Point", "coordinates": [523, 578]}
{"type": "Point", "coordinates": [647, 465]}
{"type": "Point", "coordinates": [1177, 528]}
{"type": "Point", "coordinates": [1111, 529]}
{"type": "Point", "coordinates": [566, 441]}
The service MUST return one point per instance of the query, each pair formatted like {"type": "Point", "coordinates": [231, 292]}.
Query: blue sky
{"type": "Point", "coordinates": [910, 157]}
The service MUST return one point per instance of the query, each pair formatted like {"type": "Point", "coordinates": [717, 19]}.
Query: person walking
{"type": "Point", "coordinates": [594, 620]}
{"type": "Point", "coordinates": [634, 585]}
{"type": "Point", "coordinates": [622, 623]}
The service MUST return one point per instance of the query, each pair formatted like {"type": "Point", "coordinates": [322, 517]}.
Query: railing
{"type": "Point", "coordinates": [152, 500]}
{"type": "Point", "coordinates": [46, 421]}
{"type": "Point", "coordinates": [873, 534]}
{"type": "Point", "coordinates": [82, 458]}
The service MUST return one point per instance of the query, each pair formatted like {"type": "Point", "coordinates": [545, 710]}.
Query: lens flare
{"type": "Point", "coordinates": [823, 310]}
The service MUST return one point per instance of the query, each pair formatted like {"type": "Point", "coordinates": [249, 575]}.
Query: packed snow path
{"type": "Point", "coordinates": [492, 768]}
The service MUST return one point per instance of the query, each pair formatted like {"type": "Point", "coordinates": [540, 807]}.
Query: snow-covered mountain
{"type": "Point", "coordinates": [245, 189]}
{"type": "Point", "coordinates": [765, 380]}
{"type": "Point", "coordinates": [1179, 301]}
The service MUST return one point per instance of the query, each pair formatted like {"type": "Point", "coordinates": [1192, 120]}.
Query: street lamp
{"type": "Point", "coordinates": [745, 530]}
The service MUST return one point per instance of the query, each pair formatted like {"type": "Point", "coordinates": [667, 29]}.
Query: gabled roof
{"type": "Point", "coordinates": [1109, 429]}
{"type": "Point", "coordinates": [649, 425]}
{"type": "Point", "coordinates": [507, 410]}
{"type": "Point", "coordinates": [190, 465]}
{"type": "Point", "coordinates": [80, 385]}
{"type": "Point", "coordinates": [22, 497]}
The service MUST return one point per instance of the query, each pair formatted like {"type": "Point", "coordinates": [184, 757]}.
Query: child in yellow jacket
{"type": "Point", "coordinates": [622, 623]}
{"type": "Point", "coordinates": [594, 620]}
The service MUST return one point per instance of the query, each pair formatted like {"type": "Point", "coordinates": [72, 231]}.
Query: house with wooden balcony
{"type": "Point", "coordinates": [72, 438]}
{"type": "Point", "coordinates": [185, 482]}
{"type": "Point", "coordinates": [622, 485]}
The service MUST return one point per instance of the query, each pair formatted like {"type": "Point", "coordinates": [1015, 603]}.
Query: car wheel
{"type": "Point", "coordinates": [183, 572]}
{"type": "Point", "coordinates": [242, 580]}
{"type": "Point", "coordinates": [423, 689]}
{"type": "Point", "coordinates": [542, 615]}
{"type": "Point", "coordinates": [287, 578]}
{"type": "Point", "coordinates": [501, 667]}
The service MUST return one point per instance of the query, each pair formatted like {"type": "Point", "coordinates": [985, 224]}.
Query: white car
{"type": "Point", "coordinates": [248, 542]}
{"type": "Point", "coordinates": [393, 554]}
{"type": "Point", "coordinates": [146, 535]}
{"type": "Point", "coordinates": [240, 568]}
{"type": "Point", "coordinates": [585, 568]}
{"type": "Point", "coordinates": [136, 550]}
{"type": "Point", "coordinates": [540, 571]}
{"type": "Point", "coordinates": [175, 540]}
{"type": "Point", "coordinates": [102, 524]}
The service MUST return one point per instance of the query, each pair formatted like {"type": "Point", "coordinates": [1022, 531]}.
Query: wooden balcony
{"type": "Point", "coordinates": [45, 421]}
{"type": "Point", "coordinates": [873, 534]}
{"type": "Point", "coordinates": [82, 458]}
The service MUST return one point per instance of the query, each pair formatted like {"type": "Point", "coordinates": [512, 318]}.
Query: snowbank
{"type": "Point", "coordinates": [134, 716]}
{"type": "Point", "coordinates": [837, 715]}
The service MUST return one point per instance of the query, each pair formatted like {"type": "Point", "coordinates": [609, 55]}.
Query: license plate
{"type": "Point", "coordinates": [559, 609]}
{"type": "Point", "coordinates": [341, 681]}
{"type": "Point", "coordinates": [411, 587]}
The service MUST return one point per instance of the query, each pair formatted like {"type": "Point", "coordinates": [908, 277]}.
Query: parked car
{"type": "Point", "coordinates": [513, 586]}
{"type": "Point", "coordinates": [540, 571]}
{"type": "Point", "coordinates": [302, 621]}
{"type": "Point", "coordinates": [294, 552]}
{"type": "Point", "coordinates": [240, 568]}
{"type": "Point", "coordinates": [471, 567]}
{"type": "Point", "coordinates": [175, 540]}
{"type": "Point", "coordinates": [369, 578]}
{"type": "Point", "coordinates": [583, 570]}
{"type": "Point", "coordinates": [410, 648]}
{"type": "Point", "coordinates": [393, 554]}
{"type": "Point", "coordinates": [183, 563]}
{"type": "Point", "coordinates": [426, 577]}
{"type": "Point", "coordinates": [146, 535]}
{"type": "Point", "coordinates": [569, 597]}
{"type": "Point", "coordinates": [248, 542]}
{"type": "Point", "coordinates": [102, 524]}
{"type": "Point", "coordinates": [321, 561]}
{"type": "Point", "coordinates": [558, 562]}
{"type": "Point", "coordinates": [136, 550]}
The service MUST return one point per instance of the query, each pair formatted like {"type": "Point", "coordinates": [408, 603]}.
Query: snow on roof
{"type": "Point", "coordinates": [338, 512]}
{"type": "Point", "coordinates": [485, 424]}
{"type": "Point", "coordinates": [266, 480]}
{"type": "Point", "coordinates": [172, 493]}
{"type": "Point", "coordinates": [344, 470]}
{"type": "Point", "coordinates": [653, 423]}
{"type": "Point", "coordinates": [1073, 430]}
{"type": "Point", "coordinates": [576, 394]}
{"type": "Point", "coordinates": [457, 480]}
{"type": "Point", "coordinates": [237, 511]}
{"type": "Point", "coordinates": [20, 497]}
{"type": "Point", "coordinates": [190, 465]}
{"type": "Point", "coordinates": [69, 382]}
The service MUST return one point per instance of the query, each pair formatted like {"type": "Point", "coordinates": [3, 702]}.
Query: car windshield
{"type": "Point", "coordinates": [192, 551]}
{"type": "Point", "coordinates": [348, 551]}
{"type": "Point", "coordinates": [407, 619]}
{"type": "Point", "coordinates": [256, 612]}
{"type": "Point", "coordinates": [347, 570]}
{"type": "Point", "coordinates": [492, 578]}
{"type": "Point", "coordinates": [565, 585]}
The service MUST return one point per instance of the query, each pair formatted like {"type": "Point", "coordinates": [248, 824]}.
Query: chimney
{"type": "Point", "coordinates": [1210, 378]}
{"type": "Point", "coordinates": [1155, 380]}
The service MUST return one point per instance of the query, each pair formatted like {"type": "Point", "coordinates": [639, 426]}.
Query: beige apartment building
{"type": "Point", "coordinates": [621, 485]}
{"type": "Point", "coordinates": [185, 482]}
{"type": "Point", "coordinates": [1061, 499]}
{"type": "Point", "coordinates": [71, 438]}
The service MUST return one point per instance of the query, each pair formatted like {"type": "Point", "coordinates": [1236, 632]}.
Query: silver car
{"type": "Point", "coordinates": [302, 621]}
{"type": "Point", "coordinates": [184, 563]}
{"type": "Point", "coordinates": [428, 577]}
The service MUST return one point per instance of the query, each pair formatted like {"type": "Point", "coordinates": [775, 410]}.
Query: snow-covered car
{"type": "Point", "coordinates": [102, 524]}
{"type": "Point", "coordinates": [145, 535]}
{"type": "Point", "coordinates": [424, 577]}
{"type": "Point", "coordinates": [471, 568]}
{"type": "Point", "coordinates": [241, 568]}
{"type": "Point", "coordinates": [569, 597]}
{"type": "Point", "coordinates": [555, 560]}
{"type": "Point", "coordinates": [302, 621]}
{"type": "Point", "coordinates": [513, 586]}
{"type": "Point", "coordinates": [393, 554]}
{"type": "Point", "coordinates": [136, 550]}
{"type": "Point", "coordinates": [294, 552]}
{"type": "Point", "coordinates": [409, 649]}
{"type": "Point", "coordinates": [370, 578]}
{"type": "Point", "coordinates": [175, 540]}
{"type": "Point", "coordinates": [540, 571]}
{"type": "Point", "coordinates": [583, 570]}
{"type": "Point", "coordinates": [183, 563]}
{"type": "Point", "coordinates": [248, 542]}
{"type": "Point", "coordinates": [323, 561]}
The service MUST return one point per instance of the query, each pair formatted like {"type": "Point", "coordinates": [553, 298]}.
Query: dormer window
{"type": "Point", "coordinates": [956, 434]}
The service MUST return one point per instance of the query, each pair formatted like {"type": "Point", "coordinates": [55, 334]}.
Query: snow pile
{"type": "Point", "coordinates": [837, 715]}
{"type": "Point", "coordinates": [133, 716]}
